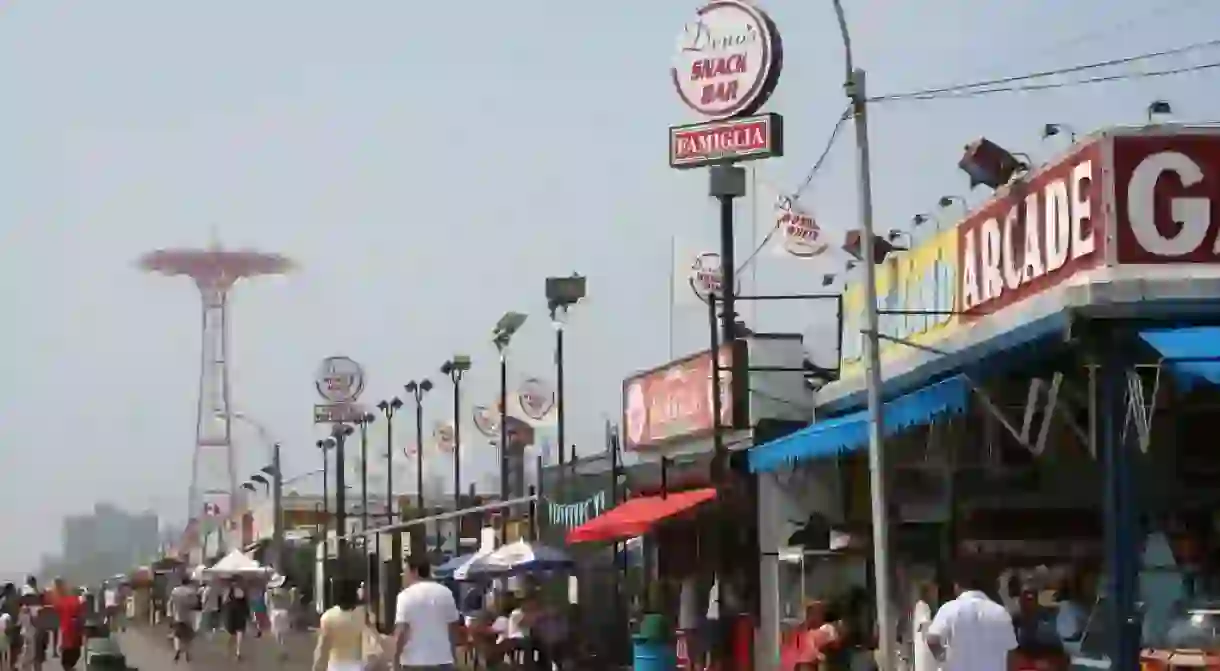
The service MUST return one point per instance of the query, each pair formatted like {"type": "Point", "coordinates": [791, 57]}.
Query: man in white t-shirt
{"type": "Point", "coordinates": [972, 632]}
{"type": "Point", "coordinates": [426, 622]}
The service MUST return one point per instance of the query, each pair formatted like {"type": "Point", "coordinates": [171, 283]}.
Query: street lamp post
{"type": "Point", "coordinates": [454, 368]}
{"type": "Point", "coordinates": [501, 336]}
{"type": "Point", "coordinates": [561, 293]}
{"type": "Point", "coordinates": [418, 390]}
{"type": "Point", "coordinates": [363, 422]}
{"type": "Point", "coordinates": [277, 508]}
{"type": "Point", "coordinates": [394, 568]}
{"type": "Point", "coordinates": [323, 446]}
{"type": "Point", "coordinates": [338, 440]}
{"type": "Point", "coordinates": [854, 85]}
{"type": "Point", "coordinates": [275, 470]}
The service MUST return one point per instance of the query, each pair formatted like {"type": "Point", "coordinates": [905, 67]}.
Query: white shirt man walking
{"type": "Point", "coordinates": [972, 632]}
{"type": "Point", "coordinates": [426, 622]}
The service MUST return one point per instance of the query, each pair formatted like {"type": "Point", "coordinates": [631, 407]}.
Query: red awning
{"type": "Point", "coordinates": [636, 516]}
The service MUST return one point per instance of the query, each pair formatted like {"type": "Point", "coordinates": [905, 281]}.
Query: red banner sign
{"type": "Point", "coordinates": [675, 401]}
{"type": "Point", "coordinates": [729, 141]}
{"type": "Point", "coordinates": [1032, 236]}
{"type": "Point", "coordinates": [1165, 192]}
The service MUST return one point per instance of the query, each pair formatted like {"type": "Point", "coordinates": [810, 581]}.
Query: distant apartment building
{"type": "Point", "coordinates": [109, 532]}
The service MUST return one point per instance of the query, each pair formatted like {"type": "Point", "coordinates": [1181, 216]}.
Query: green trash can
{"type": "Point", "coordinates": [653, 647]}
{"type": "Point", "coordinates": [104, 654]}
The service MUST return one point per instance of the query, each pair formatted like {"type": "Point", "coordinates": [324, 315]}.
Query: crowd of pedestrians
{"type": "Point", "coordinates": [232, 606]}
{"type": "Point", "coordinates": [42, 623]}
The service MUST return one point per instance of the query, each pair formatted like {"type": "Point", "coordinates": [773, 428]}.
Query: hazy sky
{"type": "Point", "coordinates": [427, 164]}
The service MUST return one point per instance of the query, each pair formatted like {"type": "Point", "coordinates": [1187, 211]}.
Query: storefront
{"type": "Point", "coordinates": [675, 509]}
{"type": "Point", "coordinates": [1046, 362]}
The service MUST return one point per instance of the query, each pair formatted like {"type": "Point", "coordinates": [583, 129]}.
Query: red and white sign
{"type": "Point", "coordinates": [536, 398]}
{"type": "Point", "coordinates": [728, 141]}
{"type": "Point", "coordinates": [675, 401]}
{"type": "Point", "coordinates": [800, 234]}
{"type": "Point", "coordinates": [706, 275]}
{"type": "Point", "coordinates": [1166, 192]}
{"type": "Point", "coordinates": [728, 60]}
{"type": "Point", "coordinates": [1034, 235]}
{"type": "Point", "coordinates": [444, 436]}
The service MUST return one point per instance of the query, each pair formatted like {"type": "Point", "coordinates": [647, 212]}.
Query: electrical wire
{"type": "Point", "coordinates": [1141, 19]}
{"type": "Point", "coordinates": [973, 93]}
{"type": "Point", "coordinates": [987, 83]}
{"type": "Point", "coordinates": [813, 171]}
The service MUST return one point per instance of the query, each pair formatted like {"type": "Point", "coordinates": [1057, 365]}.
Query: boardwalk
{"type": "Point", "coordinates": [149, 649]}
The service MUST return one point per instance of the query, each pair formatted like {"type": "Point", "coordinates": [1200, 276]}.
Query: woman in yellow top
{"type": "Point", "coordinates": [341, 633]}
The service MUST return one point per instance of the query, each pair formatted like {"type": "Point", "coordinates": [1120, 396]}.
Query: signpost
{"type": "Point", "coordinates": [726, 66]}
{"type": "Point", "coordinates": [339, 381]}
{"type": "Point", "coordinates": [338, 413]}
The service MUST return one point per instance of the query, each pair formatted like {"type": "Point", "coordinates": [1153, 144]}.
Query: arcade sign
{"type": "Point", "coordinates": [728, 60]}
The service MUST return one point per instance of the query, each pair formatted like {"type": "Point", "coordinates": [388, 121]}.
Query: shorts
{"type": "Point", "coordinates": [69, 657]}
{"type": "Point", "coordinates": [281, 623]}
{"type": "Point", "coordinates": [236, 623]}
{"type": "Point", "coordinates": [183, 631]}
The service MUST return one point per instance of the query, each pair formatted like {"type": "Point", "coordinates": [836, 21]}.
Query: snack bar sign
{"type": "Point", "coordinates": [726, 65]}
{"type": "Point", "coordinates": [674, 402]}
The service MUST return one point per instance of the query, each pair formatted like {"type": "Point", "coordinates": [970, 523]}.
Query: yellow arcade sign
{"type": "Point", "coordinates": [922, 279]}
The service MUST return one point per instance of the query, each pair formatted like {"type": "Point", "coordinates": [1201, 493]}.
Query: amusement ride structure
{"type": "Point", "coordinates": [215, 270]}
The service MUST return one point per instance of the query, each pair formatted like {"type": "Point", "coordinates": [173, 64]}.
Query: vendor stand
{"type": "Point", "coordinates": [1064, 334]}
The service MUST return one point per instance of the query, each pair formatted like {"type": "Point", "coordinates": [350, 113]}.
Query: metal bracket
{"type": "Point", "coordinates": [1138, 413]}
{"type": "Point", "coordinates": [1033, 397]}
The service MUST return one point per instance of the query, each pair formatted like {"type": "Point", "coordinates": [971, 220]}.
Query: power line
{"type": "Point", "coordinates": [925, 93]}
{"type": "Point", "coordinates": [830, 143]}
{"type": "Point", "coordinates": [817, 166]}
{"type": "Point", "coordinates": [973, 93]}
{"type": "Point", "coordinates": [1140, 19]}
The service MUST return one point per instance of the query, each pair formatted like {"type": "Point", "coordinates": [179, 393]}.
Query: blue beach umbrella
{"type": "Point", "coordinates": [518, 558]}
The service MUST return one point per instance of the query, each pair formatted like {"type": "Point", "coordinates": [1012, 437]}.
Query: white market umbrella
{"type": "Point", "coordinates": [236, 564]}
{"type": "Point", "coordinates": [462, 570]}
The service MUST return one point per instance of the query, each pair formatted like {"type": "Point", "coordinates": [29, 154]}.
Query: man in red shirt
{"type": "Point", "coordinates": [71, 610]}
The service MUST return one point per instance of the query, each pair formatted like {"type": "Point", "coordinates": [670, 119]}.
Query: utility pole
{"type": "Point", "coordinates": [854, 85]}
{"type": "Point", "coordinates": [277, 509]}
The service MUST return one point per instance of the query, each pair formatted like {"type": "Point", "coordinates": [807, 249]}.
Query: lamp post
{"type": "Point", "coordinates": [561, 293]}
{"type": "Point", "coordinates": [338, 440]}
{"type": "Point", "coordinates": [417, 391]}
{"type": "Point", "coordinates": [275, 470]}
{"type": "Point", "coordinates": [363, 422]}
{"type": "Point", "coordinates": [454, 368]}
{"type": "Point", "coordinates": [854, 85]}
{"type": "Point", "coordinates": [323, 446]}
{"type": "Point", "coordinates": [501, 336]}
{"type": "Point", "coordinates": [394, 568]}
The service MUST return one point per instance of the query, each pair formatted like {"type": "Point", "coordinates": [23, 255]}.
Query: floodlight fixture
{"type": "Point", "coordinates": [506, 327]}
{"type": "Point", "coordinates": [987, 163]}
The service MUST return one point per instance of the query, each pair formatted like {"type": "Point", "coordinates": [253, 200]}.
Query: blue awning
{"type": "Point", "coordinates": [1191, 354]}
{"type": "Point", "coordinates": [850, 432]}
